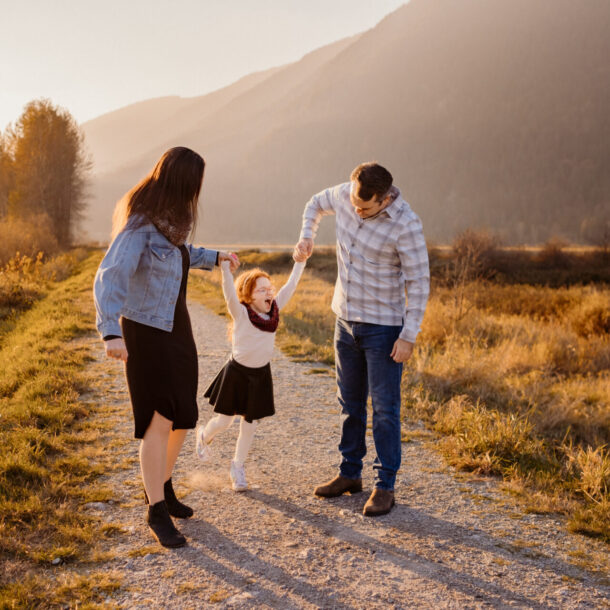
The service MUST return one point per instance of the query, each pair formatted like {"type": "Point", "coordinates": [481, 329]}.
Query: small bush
{"type": "Point", "coordinates": [29, 237]}
{"type": "Point", "coordinates": [474, 253]}
{"type": "Point", "coordinates": [595, 321]}
{"type": "Point", "coordinates": [484, 440]}
{"type": "Point", "coordinates": [553, 255]}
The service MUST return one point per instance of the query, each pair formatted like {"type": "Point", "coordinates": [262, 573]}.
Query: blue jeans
{"type": "Point", "coordinates": [362, 357]}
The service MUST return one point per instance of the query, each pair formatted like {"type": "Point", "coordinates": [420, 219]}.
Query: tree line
{"type": "Point", "coordinates": [44, 169]}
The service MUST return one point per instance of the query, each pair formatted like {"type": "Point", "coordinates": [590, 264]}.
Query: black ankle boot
{"type": "Point", "coordinates": [174, 506]}
{"type": "Point", "coordinates": [162, 526]}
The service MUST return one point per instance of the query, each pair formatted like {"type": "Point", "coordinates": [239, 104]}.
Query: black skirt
{"type": "Point", "coordinates": [162, 367]}
{"type": "Point", "coordinates": [242, 390]}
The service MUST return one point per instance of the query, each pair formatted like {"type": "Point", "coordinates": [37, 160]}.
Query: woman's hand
{"type": "Point", "coordinates": [115, 348]}
{"type": "Point", "coordinates": [231, 257]}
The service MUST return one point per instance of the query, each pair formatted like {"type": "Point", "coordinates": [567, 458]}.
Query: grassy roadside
{"type": "Point", "coordinates": [513, 378]}
{"type": "Point", "coordinates": [519, 387]}
{"type": "Point", "coordinates": [49, 457]}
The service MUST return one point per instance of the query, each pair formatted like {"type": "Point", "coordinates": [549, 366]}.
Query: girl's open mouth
{"type": "Point", "coordinates": [268, 302]}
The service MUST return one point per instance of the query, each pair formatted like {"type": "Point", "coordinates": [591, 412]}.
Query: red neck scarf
{"type": "Point", "coordinates": [269, 325]}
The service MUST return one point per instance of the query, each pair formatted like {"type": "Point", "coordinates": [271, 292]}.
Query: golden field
{"type": "Point", "coordinates": [511, 373]}
{"type": "Point", "coordinates": [511, 369]}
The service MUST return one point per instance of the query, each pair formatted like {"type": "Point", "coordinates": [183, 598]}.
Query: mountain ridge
{"type": "Point", "coordinates": [479, 110]}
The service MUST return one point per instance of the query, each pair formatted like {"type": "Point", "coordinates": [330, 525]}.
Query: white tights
{"type": "Point", "coordinates": [221, 422]}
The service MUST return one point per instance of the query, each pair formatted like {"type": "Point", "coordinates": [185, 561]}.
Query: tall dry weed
{"type": "Point", "coordinates": [591, 469]}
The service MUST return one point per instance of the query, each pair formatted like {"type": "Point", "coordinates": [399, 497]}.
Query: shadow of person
{"type": "Point", "coordinates": [474, 586]}
{"type": "Point", "coordinates": [236, 564]}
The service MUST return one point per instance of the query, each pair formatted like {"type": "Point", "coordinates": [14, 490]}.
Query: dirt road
{"type": "Point", "coordinates": [451, 542]}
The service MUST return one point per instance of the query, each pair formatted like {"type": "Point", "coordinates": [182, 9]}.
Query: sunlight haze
{"type": "Point", "coordinates": [93, 57]}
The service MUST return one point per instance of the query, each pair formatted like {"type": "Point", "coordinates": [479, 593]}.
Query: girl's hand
{"type": "Point", "coordinates": [303, 250]}
{"type": "Point", "coordinates": [298, 257]}
{"type": "Point", "coordinates": [232, 259]}
{"type": "Point", "coordinates": [115, 348]}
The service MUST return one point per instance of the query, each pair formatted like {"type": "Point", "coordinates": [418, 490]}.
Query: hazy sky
{"type": "Point", "coordinates": [94, 56]}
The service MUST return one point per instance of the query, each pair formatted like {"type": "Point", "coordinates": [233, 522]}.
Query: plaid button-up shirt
{"type": "Point", "coordinates": [376, 258]}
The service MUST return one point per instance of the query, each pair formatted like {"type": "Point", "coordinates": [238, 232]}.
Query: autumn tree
{"type": "Point", "coordinates": [6, 177]}
{"type": "Point", "coordinates": [50, 168]}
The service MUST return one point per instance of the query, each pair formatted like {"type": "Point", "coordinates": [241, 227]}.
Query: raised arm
{"type": "Point", "coordinates": [228, 289]}
{"type": "Point", "coordinates": [287, 290]}
{"type": "Point", "coordinates": [321, 204]}
{"type": "Point", "coordinates": [202, 258]}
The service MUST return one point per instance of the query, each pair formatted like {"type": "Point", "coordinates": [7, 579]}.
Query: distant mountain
{"type": "Point", "coordinates": [488, 113]}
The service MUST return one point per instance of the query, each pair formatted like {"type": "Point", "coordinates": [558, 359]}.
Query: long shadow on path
{"type": "Point", "coordinates": [468, 584]}
{"type": "Point", "coordinates": [227, 549]}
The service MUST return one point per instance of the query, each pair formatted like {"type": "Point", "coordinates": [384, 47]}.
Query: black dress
{"type": "Point", "coordinates": [162, 368]}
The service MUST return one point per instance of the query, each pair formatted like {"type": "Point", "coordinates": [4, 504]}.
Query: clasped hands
{"type": "Point", "coordinates": [231, 257]}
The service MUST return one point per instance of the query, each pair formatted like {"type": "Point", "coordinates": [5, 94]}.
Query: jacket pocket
{"type": "Point", "coordinates": [161, 252]}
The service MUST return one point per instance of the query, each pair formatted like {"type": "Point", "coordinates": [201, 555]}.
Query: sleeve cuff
{"type": "Point", "coordinates": [408, 335]}
{"type": "Point", "coordinates": [107, 329]}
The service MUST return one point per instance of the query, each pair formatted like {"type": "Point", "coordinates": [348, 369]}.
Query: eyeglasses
{"type": "Point", "coordinates": [265, 290]}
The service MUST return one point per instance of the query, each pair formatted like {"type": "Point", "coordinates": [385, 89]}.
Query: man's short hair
{"type": "Point", "coordinates": [373, 180]}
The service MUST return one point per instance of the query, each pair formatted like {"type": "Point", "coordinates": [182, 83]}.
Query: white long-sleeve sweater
{"type": "Point", "coordinates": [253, 347]}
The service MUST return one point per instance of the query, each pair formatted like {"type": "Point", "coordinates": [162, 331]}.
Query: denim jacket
{"type": "Point", "coordinates": [139, 278]}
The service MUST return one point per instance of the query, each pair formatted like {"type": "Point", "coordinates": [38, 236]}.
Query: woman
{"type": "Point", "coordinates": [140, 300]}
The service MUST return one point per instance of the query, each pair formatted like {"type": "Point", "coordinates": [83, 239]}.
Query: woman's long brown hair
{"type": "Point", "coordinates": [172, 187]}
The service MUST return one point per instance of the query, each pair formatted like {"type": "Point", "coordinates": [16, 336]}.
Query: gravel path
{"type": "Point", "coordinates": [451, 541]}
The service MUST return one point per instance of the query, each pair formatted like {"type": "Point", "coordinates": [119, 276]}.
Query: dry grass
{"type": "Point", "coordinates": [48, 462]}
{"type": "Point", "coordinates": [26, 237]}
{"type": "Point", "coordinates": [25, 279]}
{"type": "Point", "coordinates": [519, 385]}
{"type": "Point", "coordinates": [71, 591]}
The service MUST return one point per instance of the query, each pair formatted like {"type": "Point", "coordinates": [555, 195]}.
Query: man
{"type": "Point", "coordinates": [380, 250]}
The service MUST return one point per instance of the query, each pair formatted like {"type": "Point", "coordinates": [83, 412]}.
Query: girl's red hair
{"type": "Point", "coordinates": [246, 282]}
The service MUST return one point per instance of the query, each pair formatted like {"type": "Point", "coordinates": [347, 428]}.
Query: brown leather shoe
{"type": "Point", "coordinates": [338, 486]}
{"type": "Point", "coordinates": [380, 503]}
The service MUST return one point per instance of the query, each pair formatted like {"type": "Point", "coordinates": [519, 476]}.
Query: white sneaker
{"type": "Point", "coordinates": [203, 449]}
{"type": "Point", "coordinates": [238, 477]}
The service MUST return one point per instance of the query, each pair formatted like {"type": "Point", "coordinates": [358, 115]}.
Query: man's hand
{"type": "Point", "coordinates": [402, 350]}
{"type": "Point", "coordinates": [303, 250]}
{"type": "Point", "coordinates": [115, 348]}
{"type": "Point", "coordinates": [231, 257]}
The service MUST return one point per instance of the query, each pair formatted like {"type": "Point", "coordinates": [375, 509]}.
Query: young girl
{"type": "Point", "coordinates": [140, 298]}
{"type": "Point", "coordinates": [244, 386]}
